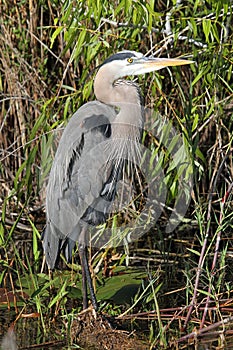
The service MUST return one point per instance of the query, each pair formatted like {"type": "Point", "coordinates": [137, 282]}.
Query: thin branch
{"type": "Point", "coordinates": [46, 47]}
{"type": "Point", "coordinates": [223, 202]}
{"type": "Point", "coordinates": [169, 36]}
{"type": "Point", "coordinates": [207, 329]}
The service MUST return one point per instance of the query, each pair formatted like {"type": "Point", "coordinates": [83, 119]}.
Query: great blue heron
{"type": "Point", "coordinates": [83, 180]}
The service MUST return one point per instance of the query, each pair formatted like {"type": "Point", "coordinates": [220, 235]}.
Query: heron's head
{"type": "Point", "coordinates": [126, 63]}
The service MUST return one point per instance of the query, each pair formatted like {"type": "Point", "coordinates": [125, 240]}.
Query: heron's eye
{"type": "Point", "coordinates": [130, 60]}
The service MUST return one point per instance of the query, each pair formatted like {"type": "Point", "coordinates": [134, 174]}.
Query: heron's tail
{"type": "Point", "coordinates": [51, 244]}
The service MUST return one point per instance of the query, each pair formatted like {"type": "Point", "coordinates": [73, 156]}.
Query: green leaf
{"type": "Point", "coordinates": [206, 25]}
{"type": "Point", "coordinates": [193, 251]}
{"type": "Point", "coordinates": [61, 293]}
{"type": "Point", "coordinates": [121, 287]}
{"type": "Point", "coordinates": [35, 237]}
{"type": "Point", "coordinates": [79, 45]}
{"type": "Point", "coordinates": [55, 34]}
{"type": "Point", "coordinates": [195, 121]}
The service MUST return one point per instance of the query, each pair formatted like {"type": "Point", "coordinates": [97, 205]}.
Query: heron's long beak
{"type": "Point", "coordinates": [148, 64]}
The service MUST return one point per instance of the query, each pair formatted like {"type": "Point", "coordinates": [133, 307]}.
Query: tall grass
{"type": "Point", "coordinates": [47, 51]}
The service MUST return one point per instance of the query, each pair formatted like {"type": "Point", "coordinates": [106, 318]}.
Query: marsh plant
{"type": "Point", "coordinates": [172, 277]}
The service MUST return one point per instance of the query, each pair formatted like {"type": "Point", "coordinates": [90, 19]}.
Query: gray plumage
{"type": "Point", "coordinates": [73, 186]}
{"type": "Point", "coordinates": [97, 142]}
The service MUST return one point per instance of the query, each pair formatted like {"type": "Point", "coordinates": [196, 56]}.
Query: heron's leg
{"type": "Point", "coordinates": [89, 281]}
{"type": "Point", "coordinates": [86, 276]}
{"type": "Point", "coordinates": [84, 280]}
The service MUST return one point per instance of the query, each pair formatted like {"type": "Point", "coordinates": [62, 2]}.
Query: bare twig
{"type": "Point", "coordinates": [215, 177]}
{"type": "Point", "coordinates": [207, 329]}
{"type": "Point", "coordinates": [222, 205]}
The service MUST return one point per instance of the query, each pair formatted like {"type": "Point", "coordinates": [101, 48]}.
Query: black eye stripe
{"type": "Point", "coordinates": [119, 56]}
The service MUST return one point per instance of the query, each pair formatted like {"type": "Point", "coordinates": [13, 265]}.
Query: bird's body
{"type": "Point", "coordinates": [98, 140]}
{"type": "Point", "coordinates": [72, 190]}
{"type": "Point", "coordinates": [85, 172]}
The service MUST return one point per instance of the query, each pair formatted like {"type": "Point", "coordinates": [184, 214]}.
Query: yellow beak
{"type": "Point", "coordinates": [159, 63]}
{"type": "Point", "coordinates": [147, 64]}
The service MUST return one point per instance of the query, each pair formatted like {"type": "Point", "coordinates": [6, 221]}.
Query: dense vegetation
{"type": "Point", "coordinates": [47, 50]}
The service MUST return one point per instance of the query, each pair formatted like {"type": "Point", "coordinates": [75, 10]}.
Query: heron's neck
{"type": "Point", "coordinates": [125, 96]}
